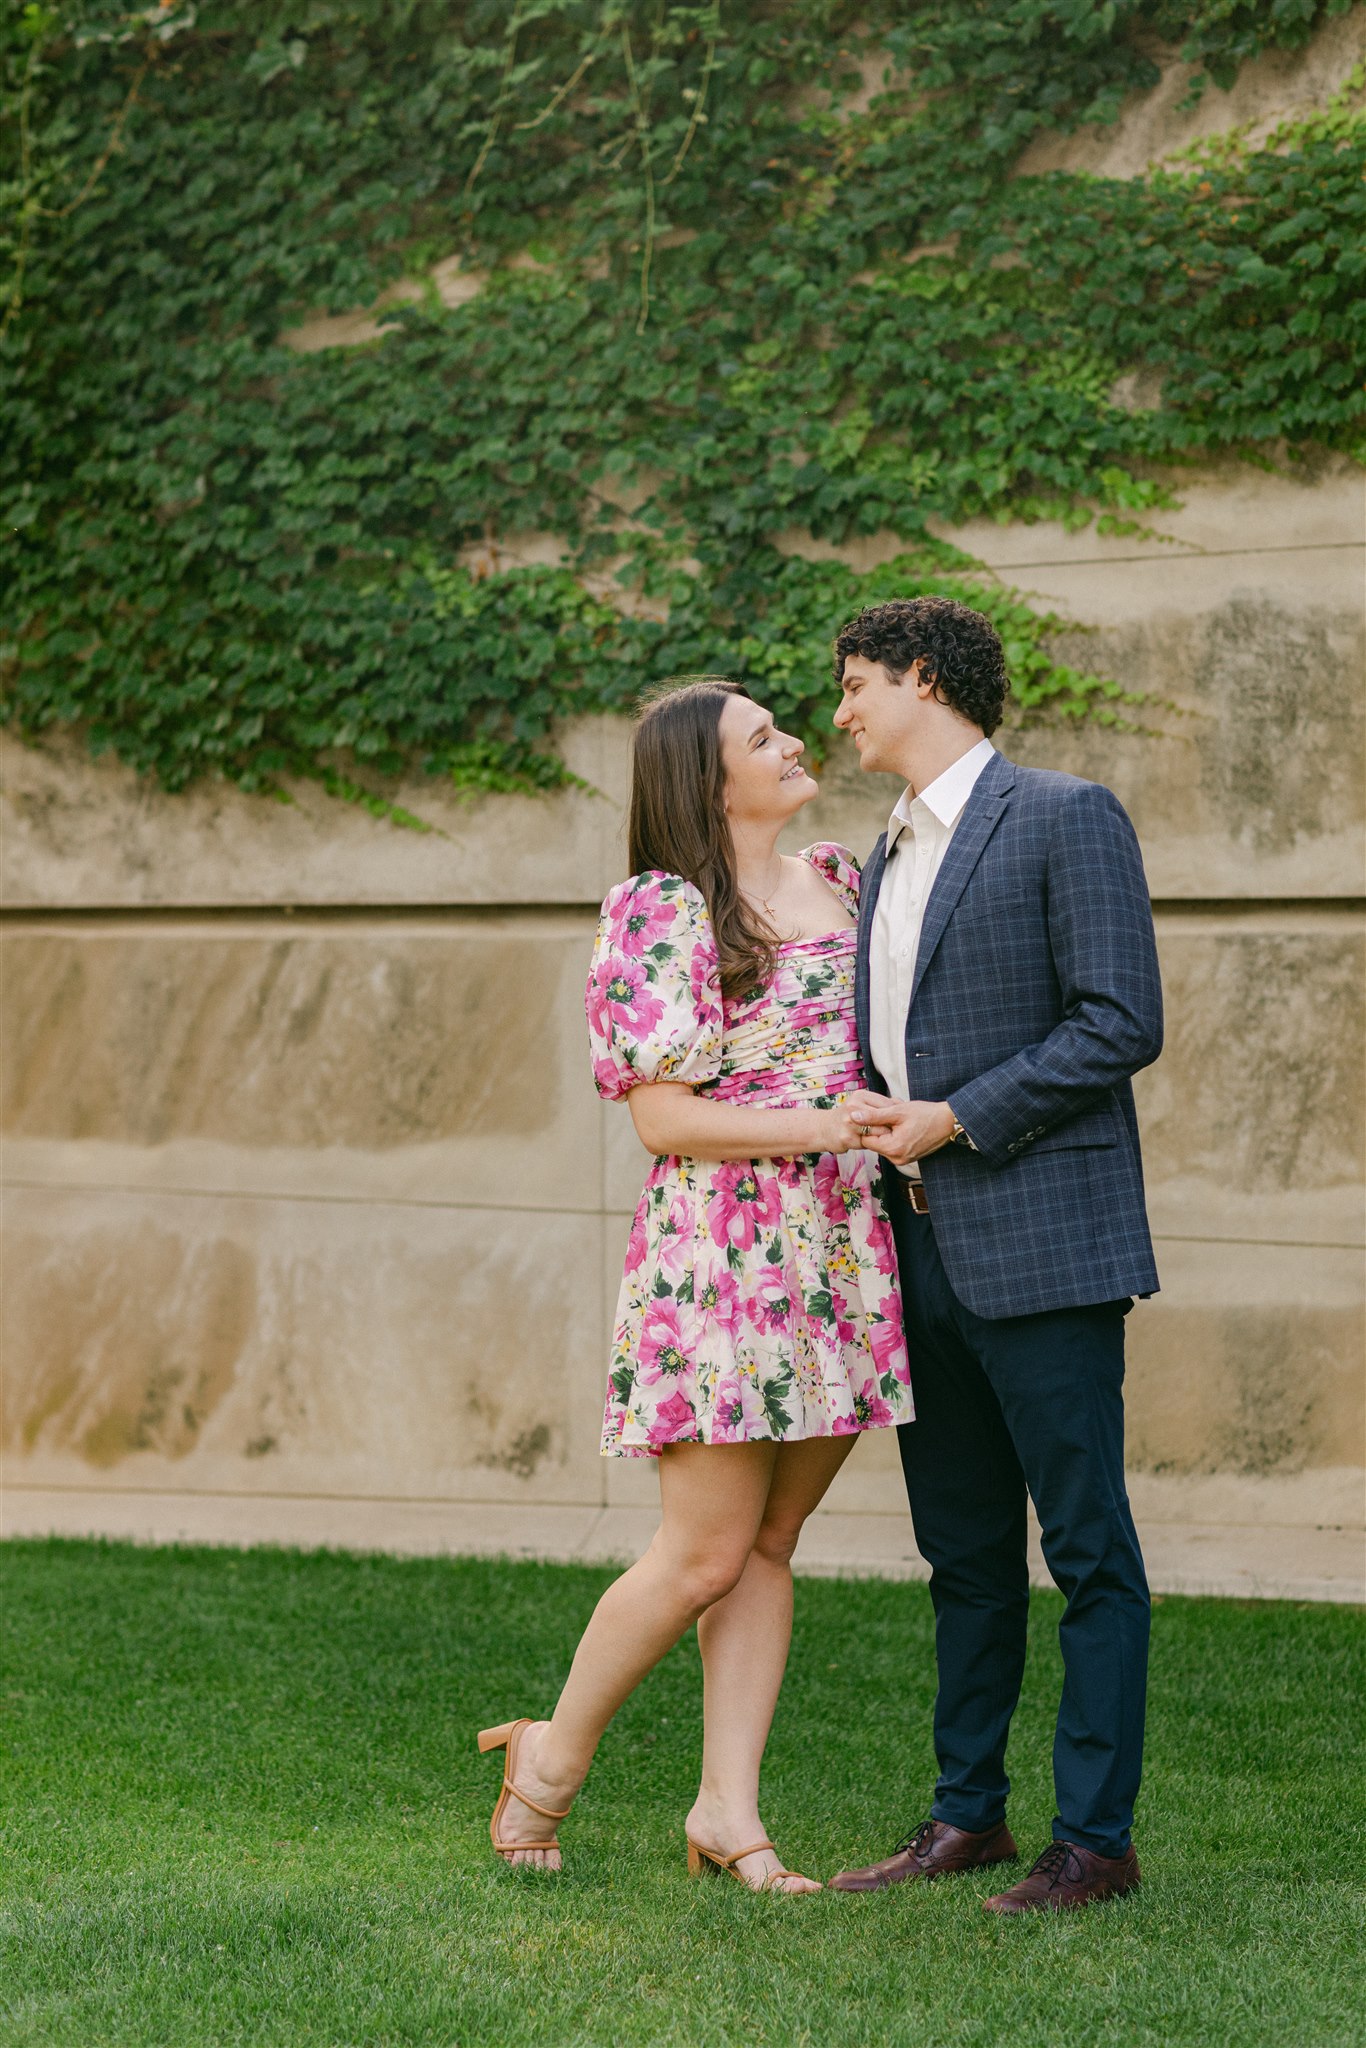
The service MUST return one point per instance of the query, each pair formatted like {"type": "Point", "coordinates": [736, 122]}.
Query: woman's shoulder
{"type": "Point", "coordinates": [653, 999]}
{"type": "Point", "coordinates": [658, 914]}
{"type": "Point", "coordinates": [654, 889]}
{"type": "Point", "coordinates": [838, 865]}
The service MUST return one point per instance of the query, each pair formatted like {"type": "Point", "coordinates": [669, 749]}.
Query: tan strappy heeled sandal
{"type": "Point", "coordinates": [701, 1859]}
{"type": "Point", "coordinates": [507, 1738]}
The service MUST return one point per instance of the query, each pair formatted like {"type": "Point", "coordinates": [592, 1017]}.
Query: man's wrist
{"type": "Point", "coordinates": [948, 1124]}
{"type": "Point", "coordinates": [957, 1135]}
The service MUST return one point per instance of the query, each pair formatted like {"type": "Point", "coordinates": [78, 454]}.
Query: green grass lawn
{"type": "Point", "coordinates": [242, 1803]}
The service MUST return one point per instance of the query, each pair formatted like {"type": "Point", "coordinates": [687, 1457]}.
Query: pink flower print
{"type": "Point", "coordinates": [844, 1425]}
{"type": "Point", "coordinates": [870, 1410]}
{"type": "Point", "coordinates": [839, 1198]}
{"type": "Point", "coordinates": [674, 1421]}
{"type": "Point", "coordinates": [729, 1412]}
{"type": "Point", "coordinates": [638, 1243]}
{"type": "Point", "coordinates": [844, 1328]}
{"type": "Point", "coordinates": [882, 1245]}
{"type": "Point", "coordinates": [673, 1245]}
{"type": "Point", "coordinates": [789, 1171]}
{"type": "Point", "coordinates": [662, 1353]}
{"type": "Point", "coordinates": [738, 1411]}
{"type": "Point", "coordinates": [768, 1303]}
{"type": "Point", "coordinates": [702, 985]}
{"type": "Point", "coordinates": [619, 994]}
{"type": "Point", "coordinates": [717, 1300]}
{"type": "Point", "coordinates": [608, 1078]}
{"type": "Point", "coordinates": [887, 1340]}
{"type": "Point", "coordinates": [744, 1202]}
{"type": "Point", "coordinates": [648, 917]}
{"type": "Point", "coordinates": [836, 871]}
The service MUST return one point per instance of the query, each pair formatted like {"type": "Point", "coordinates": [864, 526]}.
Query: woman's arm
{"type": "Point", "coordinates": [670, 1118]}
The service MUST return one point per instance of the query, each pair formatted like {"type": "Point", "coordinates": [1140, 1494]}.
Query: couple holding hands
{"type": "Point", "coordinates": [895, 1182]}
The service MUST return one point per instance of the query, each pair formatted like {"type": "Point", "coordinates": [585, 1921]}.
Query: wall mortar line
{"type": "Point", "coordinates": [110, 917]}
{"type": "Point", "coordinates": [171, 1189]}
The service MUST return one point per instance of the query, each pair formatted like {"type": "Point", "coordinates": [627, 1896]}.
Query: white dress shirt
{"type": "Point", "coordinates": [918, 836]}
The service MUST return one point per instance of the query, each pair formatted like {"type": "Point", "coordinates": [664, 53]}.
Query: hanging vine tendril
{"type": "Point", "coordinates": [643, 139]}
{"type": "Point", "coordinates": [560, 94]}
{"type": "Point", "coordinates": [499, 105]}
{"type": "Point", "coordinates": [699, 113]}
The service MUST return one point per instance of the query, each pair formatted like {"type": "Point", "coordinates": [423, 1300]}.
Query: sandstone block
{"type": "Point", "coordinates": [428, 1061]}
{"type": "Point", "coordinates": [225, 1344]}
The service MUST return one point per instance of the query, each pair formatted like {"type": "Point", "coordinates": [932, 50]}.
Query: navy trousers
{"type": "Point", "coordinates": [1024, 1403]}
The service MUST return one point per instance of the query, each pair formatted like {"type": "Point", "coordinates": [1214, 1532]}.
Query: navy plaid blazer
{"type": "Point", "coordinates": [1036, 996]}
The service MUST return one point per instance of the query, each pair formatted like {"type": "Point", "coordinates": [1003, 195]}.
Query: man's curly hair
{"type": "Point", "coordinates": [960, 649]}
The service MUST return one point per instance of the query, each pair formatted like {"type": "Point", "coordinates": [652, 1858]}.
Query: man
{"type": "Point", "coordinates": [1007, 990]}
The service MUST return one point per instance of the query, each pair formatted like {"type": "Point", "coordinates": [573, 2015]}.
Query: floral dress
{"type": "Point", "coordinates": [759, 1301]}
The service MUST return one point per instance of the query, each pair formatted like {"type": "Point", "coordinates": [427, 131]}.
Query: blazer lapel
{"type": "Point", "coordinates": [870, 886]}
{"type": "Point", "coordinates": [981, 815]}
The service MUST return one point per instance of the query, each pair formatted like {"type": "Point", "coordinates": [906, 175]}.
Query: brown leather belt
{"type": "Point", "coordinates": [912, 1192]}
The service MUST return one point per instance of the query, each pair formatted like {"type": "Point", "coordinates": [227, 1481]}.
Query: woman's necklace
{"type": "Point", "coordinates": [767, 901]}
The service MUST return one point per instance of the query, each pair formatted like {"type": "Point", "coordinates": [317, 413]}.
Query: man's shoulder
{"type": "Point", "coordinates": [1051, 789]}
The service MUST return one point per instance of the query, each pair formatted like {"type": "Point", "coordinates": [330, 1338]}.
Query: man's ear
{"type": "Point", "coordinates": [919, 680]}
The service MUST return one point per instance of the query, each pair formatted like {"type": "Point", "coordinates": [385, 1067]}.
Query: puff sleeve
{"type": "Point", "coordinates": [654, 990]}
{"type": "Point", "coordinates": [839, 868]}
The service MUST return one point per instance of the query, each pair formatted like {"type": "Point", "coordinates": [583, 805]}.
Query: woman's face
{"type": "Point", "coordinates": [765, 780]}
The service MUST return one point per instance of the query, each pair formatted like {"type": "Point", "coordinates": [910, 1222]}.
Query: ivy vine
{"type": "Point", "coordinates": [732, 274]}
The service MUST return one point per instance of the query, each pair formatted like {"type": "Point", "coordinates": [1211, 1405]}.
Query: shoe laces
{"type": "Point", "coordinates": [918, 1840]}
{"type": "Point", "coordinates": [1059, 1863]}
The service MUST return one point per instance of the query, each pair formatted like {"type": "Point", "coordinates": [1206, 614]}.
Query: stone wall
{"type": "Point", "coordinates": [310, 1210]}
{"type": "Point", "coordinates": [308, 1195]}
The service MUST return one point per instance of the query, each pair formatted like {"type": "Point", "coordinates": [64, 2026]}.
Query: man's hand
{"type": "Point", "coordinates": [900, 1131]}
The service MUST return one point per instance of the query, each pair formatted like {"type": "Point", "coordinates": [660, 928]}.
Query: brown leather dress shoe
{"type": "Point", "coordinates": [1067, 1875]}
{"type": "Point", "coordinates": [933, 1850]}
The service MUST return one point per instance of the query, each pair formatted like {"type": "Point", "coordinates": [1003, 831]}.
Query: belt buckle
{"type": "Point", "coordinates": [912, 1192]}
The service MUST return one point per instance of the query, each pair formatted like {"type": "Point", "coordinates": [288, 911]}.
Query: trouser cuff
{"type": "Point", "coordinates": [972, 1820]}
{"type": "Point", "coordinates": [1113, 1846]}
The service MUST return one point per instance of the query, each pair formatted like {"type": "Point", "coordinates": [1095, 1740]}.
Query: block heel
{"type": "Point", "coordinates": [507, 1736]}
{"type": "Point", "coordinates": [701, 1860]}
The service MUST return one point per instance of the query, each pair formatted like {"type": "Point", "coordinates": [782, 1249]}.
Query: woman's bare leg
{"type": "Point", "coordinates": [714, 1498]}
{"type": "Point", "coordinates": [744, 1640]}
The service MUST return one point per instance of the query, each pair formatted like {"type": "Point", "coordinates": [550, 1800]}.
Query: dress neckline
{"type": "Point", "coordinates": [847, 931]}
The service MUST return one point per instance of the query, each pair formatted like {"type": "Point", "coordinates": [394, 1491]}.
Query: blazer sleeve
{"type": "Point", "coordinates": [1100, 927]}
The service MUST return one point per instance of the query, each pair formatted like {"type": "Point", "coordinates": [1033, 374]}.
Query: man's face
{"type": "Point", "coordinates": [878, 714]}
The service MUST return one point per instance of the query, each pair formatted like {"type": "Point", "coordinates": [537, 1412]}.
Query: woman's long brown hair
{"type": "Point", "coordinates": [678, 819]}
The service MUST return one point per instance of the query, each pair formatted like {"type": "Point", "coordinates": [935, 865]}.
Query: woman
{"type": "Point", "coordinates": [758, 1328]}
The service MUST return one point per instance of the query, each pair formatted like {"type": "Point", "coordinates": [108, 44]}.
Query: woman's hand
{"type": "Point", "coordinates": [899, 1131]}
{"type": "Point", "coordinates": [671, 1119]}
{"type": "Point", "coordinates": [842, 1129]}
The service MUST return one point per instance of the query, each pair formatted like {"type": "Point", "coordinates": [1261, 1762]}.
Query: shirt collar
{"type": "Point", "coordinates": [945, 797]}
